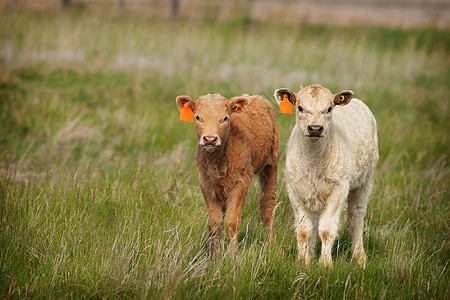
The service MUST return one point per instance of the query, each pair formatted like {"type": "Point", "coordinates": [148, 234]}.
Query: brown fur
{"type": "Point", "coordinates": [249, 145]}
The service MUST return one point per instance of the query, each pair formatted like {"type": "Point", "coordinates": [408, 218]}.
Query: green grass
{"type": "Point", "coordinates": [99, 193]}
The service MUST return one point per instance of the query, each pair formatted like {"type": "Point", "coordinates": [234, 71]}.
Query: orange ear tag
{"type": "Point", "coordinates": [285, 105]}
{"type": "Point", "coordinates": [186, 114]}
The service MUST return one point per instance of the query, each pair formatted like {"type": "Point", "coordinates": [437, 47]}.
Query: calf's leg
{"type": "Point", "coordinates": [234, 211]}
{"type": "Point", "coordinates": [315, 223]}
{"type": "Point", "coordinates": [304, 226]}
{"type": "Point", "coordinates": [329, 223]}
{"type": "Point", "coordinates": [304, 230]}
{"type": "Point", "coordinates": [267, 201]}
{"type": "Point", "coordinates": [215, 220]}
{"type": "Point", "coordinates": [357, 206]}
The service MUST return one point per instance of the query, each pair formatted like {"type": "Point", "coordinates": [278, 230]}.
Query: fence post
{"type": "Point", "coordinates": [174, 8]}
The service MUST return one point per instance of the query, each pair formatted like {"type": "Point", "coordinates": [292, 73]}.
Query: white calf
{"type": "Point", "coordinates": [331, 156]}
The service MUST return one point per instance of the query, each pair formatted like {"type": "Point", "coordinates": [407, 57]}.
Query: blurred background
{"type": "Point", "coordinates": [99, 192]}
{"type": "Point", "coordinates": [394, 13]}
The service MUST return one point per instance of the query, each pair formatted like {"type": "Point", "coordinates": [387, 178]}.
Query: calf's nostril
{"type": "Point", "coordinates": [208, 139]}
{"type": "Point", "coordinates": [315, 129]}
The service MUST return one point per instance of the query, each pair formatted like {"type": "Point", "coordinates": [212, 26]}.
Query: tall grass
{"type": "Point", "coordinates": [99, 193]}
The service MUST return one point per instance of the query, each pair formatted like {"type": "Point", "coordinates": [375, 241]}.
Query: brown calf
{"type": "Point", "coordinates": [238, 139]}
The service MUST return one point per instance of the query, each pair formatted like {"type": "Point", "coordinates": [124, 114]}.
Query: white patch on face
{"type": "Point", "coordinates": [315, 102]}
{"type": "Point", "coordinates": [210, 142]}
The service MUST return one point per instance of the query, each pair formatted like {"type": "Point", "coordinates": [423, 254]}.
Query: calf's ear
{"type": "Point", "coordinates": [183, 100]}
{"type": "Point", "coordinates": [280, 93]}
{"type": "Point", "coordinates": [187, 107]}
{"type": "Point", "coordinates": [343, 97]}
{"type": "Point", "coordinates": [238, 104]}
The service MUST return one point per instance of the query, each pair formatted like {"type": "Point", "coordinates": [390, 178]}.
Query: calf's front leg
{"type": "Point", "coordinates": [233, 214]}
{"type": "Point", "coordinates": [305, 231]}
{"type": "Point", "coordinates": [215, 220]}
{"type": "Point", "coordinates": [329, 223]}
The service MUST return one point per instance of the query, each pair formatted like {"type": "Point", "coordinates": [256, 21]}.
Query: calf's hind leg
{"type": "Point", "coordinates": [357, 206]}
{"type": "Point", "coordinates": [267, 200]}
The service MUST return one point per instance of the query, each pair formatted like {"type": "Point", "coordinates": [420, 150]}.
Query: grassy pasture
{"type": "Point", "coordinates": [99, 193]}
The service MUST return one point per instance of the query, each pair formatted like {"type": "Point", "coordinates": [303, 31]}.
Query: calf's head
{"type": "Point", "coordinates": [314, 106]}
{"type": "Point", "coordinates": [212, 117]}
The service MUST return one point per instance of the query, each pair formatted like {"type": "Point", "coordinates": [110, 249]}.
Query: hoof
{"type": "Point", "coordinates": [305, 262]}
{"type": "Point", "coordinates": [305, 258]}
{"type": "Point", "coordinates": [361, 259]}
{"type": "Point", "coordinates": [326, 261]}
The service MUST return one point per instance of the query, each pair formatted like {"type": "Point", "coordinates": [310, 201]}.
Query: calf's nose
{"type": "Point", "coordinates": [315, 130]}
{"type": "Point", "coordinates": [210, 139]}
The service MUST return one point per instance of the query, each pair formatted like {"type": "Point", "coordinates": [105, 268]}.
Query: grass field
{"type": "Point", "coordinates": [99, 193]}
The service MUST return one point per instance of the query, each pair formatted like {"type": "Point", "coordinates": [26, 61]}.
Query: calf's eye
{"type": "Point", "coordinates": [329, 109]}
{"type": "Point", "coordinates": [300, 109]}
{"type": "Point", "coordinates": [225, 119]}
{"type": "Point", "coordinates": [197, 118]}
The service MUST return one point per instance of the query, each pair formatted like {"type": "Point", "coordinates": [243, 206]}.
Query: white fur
{"type": "Point", "coordinates": [323, 172]}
